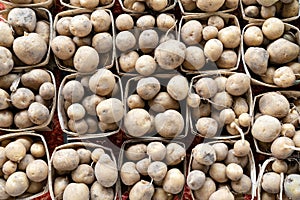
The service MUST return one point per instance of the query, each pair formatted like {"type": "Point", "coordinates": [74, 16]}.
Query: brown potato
{"type": "Point", "coordinates": [35, 78]}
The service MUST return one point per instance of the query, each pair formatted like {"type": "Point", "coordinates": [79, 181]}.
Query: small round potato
{"type": "Point", "coordinates": [106, 171]}
{"type": "Point", "coordinates": [125, 41]}
{"type": "Point", "coordinates": [273, 28]}
{"type": "Point", "coordinates": [7, 118]}
{"type": "Point", "coordinates": [97, 190]}
{"type": "Point", "coordinates": [89, 4]}
{"type": "Point", "coordinates": [124, 22]}
{"type": "Point", "coordinates": [21, 119]}
{"type": "Point", "coordinates": [7, 62]}
{"type": "Point", "coordinates": [102, 82]}
{"type": "Point", "coordinates": [86, 59]}
{"type": "Point", "coordinates": [178, 87]}
{"type": "Point", "coordinates": [194, 59]}
{"type": "Point", "coordinates": [22, 20]}
{"type": "Point", "coordinates": [234, 172]}
{"type": "Point", "coordinates": [145, 22]}
{"type": "Point", "coordinates": [16, 184]}
{"type": "Point", "coordinates": [253, 36]}
{"type": "Point", "coordinates": [207, 127]}
{"type": "Point", "coordinates": [268, 101]}
{"type": "Point", "coordinates": [271, 182]}
{"type": "Point", "coordinates": [156, 150]}
{"type": "Point", "coordinates": [76, 191]}
{"type": "Point", "coordinates": [4, 99]}
{"type": "Point", "coordinates": [63, 47]}
{"type": "Point", "coordinates": [258, 65]}
{"type": "Point", "coordinates": [137, 122]}
{"type": "Point", "coordinates": [136, 152]}
{"type": "Point", "coordinates": [148, 87]}
{"type": "Point", "coordinates": [145, 65]}
{"type": "Point", "coordinates": [217, 172]}
{"type": "Point", "coordinates": [142, 190]}
{"type": "Point", "coordinates": [284, 77]}
{"type": "Point", "coordinates": [62, 26]}
{"type": "Point", "coordinates": [213, 49]}
{"type": "Point", "coordinates": [175, 154]}
{"type": "Point", "coordinates": [102, 42]}
{"type": "Point", "coordinates": [101, 21]}
{"type": "Point", "coordinates": [110, 110]}
{"type": "Point", "coordinates": [65, 160]}
{"type": "Point", "coordinates": [73, 91]}
{"type": "Point", "coordinates": [6, 38]}
{"type": "Point", "coordinates": [206, 87]}
{"type": "Point", "coordinates": [237, 84]}
{"type": "Point", "coordinates": [174, 181]}
{"type": "Point", "coordinates": [216, 21]}
{"type": "Point", "coordinates": [230, 36]}
{"type": "Point", "coordinates": [47, 91]}
{"type": "Point", "coordinates": [165, 22]}
{"type": "Point", "coordinates": [80, 25]}
{"type": "Point", "coordinates": [204, 154]}
{"type": "Point", "coordinates": [227, 60]}
{"type": "Point", "coordinates": [169, 124]}
{"type": "Point", "coordinates": [195, 179]}
{"type": "Point", "coordinates": [191, 32]}
{"type": "Point", "coordinates": [266, 128]}
{"type": "Point", "coordinates": [128, 60]}
{"type": "Point", "coordinates": [221, 150]}
{"type": "Point", "coordinates": [38, 113]}
{"type": "Point", "coordinates": [148, 40]}
{"type": "Point", "coordinates": [84, 173]}
{"type": "Point", "coordinates": [157, 170]}
{"type": "Point", "coordinates": [157, 5]}
{"type": "Point", "coordinates": [22, 98]}
{"type": "Point", "coordinates": [252, 11]}
{"type": "Point", "coordinates": [129, 173]}
{"type": "Point", "coordinates": [37, 170]}
{"type": "Point", "coordinates": [209, 32]}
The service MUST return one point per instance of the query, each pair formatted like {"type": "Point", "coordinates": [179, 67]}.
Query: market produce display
{"type": "Point", "coordinates": [154, 99]}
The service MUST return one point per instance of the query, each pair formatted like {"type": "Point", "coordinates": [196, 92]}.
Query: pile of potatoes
{"type": "Point", "coordinates": [220, 170]}
{"type": "Point", "coordinates": [83, 172]}
{"type": "Point", "coordinates": [147, 43]}
{"type": "Point", "coordinates": [84, 41]}
{"type": "Point", "coordinates": [89, 4]}
{"type": "Point", "coordinates": [279, 175]}
{"type": "Point", "coordinates": [92, 103]}
{"type": "Point", "coordinates": [218, 101]}
{"type": "Point", "coordinates": [212, 42]}
{"type": "Point", "coordinates": [26, 101]}
{"type": "Point", "coordinates": [142, 6]}
{"type": "Point", "coordinates": [271, 51]}
{"type": "Point", "coordinates": [152, 170]}
{"type": "Point", "coordinates": [276, 124]}
{"type": "Point", "coordinates": [24, 38]}
{"type": "Point", "coordinates": [264, 9]}
{"type": "Point", "coordinates": [156, 106]}
{"type": "Point", "coordinates": [24, 167]}
{"type": "Point", "coordinates": [208, 5]}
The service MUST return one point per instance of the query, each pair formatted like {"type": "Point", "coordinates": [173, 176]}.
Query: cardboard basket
{"type": "Point", "coordinates": [252, 19]}
{"type": "Point", "coordinates": [67, 4]}
{"type": "Point", "coordinates": [130, 88]}
{"type": "Point", "coordinates": [136, 31]}
{"type": "Point", "coordinates": [210, 66]}
{"type": "Point", "coordinates": [247, 96]}
{"type": "Point", "coordinates": [41, 14]}
{"type": "Point", "coordinates": [106, 59]}
{"type": "Point", "coordinates": [250, 168]}
{"type": "Point", "coordinates": [62, 114]}
{"type": "Point", "coordinates": [223, 9]}
{"type": "Point", "coordinates": [45, 126]}
{"type": "Point", "coordinates": [122, 159]}
{"type": "Point", "coordinates": [45, 4]}
{"type": "Point", "coordinates": [170, 6]}
{"type": "Point", "coordinates": [255, 78]}
{"type": "Point", "coordinates": [35, 137]}
{"type": "Point", "coordinates": [76, 145]}
{"type": "Point", "coordinates": [266, 150]}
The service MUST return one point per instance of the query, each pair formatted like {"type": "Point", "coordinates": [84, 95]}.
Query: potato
{"type": "Point", "coordinates": [209, 32]}
{"type": "Point", "coordinates": [38, 113]}
{"type": "Point", "coordinates": [73, 91]}
{"type": "Point", "coordinates": [135, 101]}
{"type": "Point", "coordinates": [106, 171]}
{"type": "Point", "coordinates": [230, 36]}
{"type": "Point", "coordinates": [253, 36]}
{"type": "Point", "coordinates": [15, 151]}
{"type": "Point", "coordinates": [137, 122]}
{"type": "Point", "coordinates": [156, 151]}
{"type": "Point", "coordinates": [101, 20]}
{"type": "Point", "coordinates": [268, 12]}
{"type": "Point", "coordinates": [37, 170]}
{"type": "Point", "coordinates": [142, 166]}
{"type": "Point", "coordinates": [16, 184]}
{"type": "Point", "coordinates": [170, 54]}
{"type": "Point", "coordinates": [221, 150]}
{"type": "Point", "coordinates": [21, 120]}
{"type": "Point", "coordinates": [62, 26]}
{"type": "Point", "coordinates": [84, 41]}
{"type": "Point", "coordinates": [30, 49]}
{"type": "Point", "coordinates": [63, 47]}
{"type": "Point", "coordinates": [213, 49]}
{"type": "Point", "coordinates": [28, 158]}
{"type": "Point", "coordinates": [216, 21]}
{"type": "Point", "coordinates": [194, 59]}
{"type": "Point", "coordinates": [3, 192]}
{"type": "Point", "coordinates": [209, 6]}
{"type": "Point", "coordinates": [174, 181]}
{"type": "Point", "coordinates": [145, 22]}
{"type": "Point", "coordinates": [271, 182]}
{"type": "Point", "coordinates": [84, 173]}
{"type": "Point", "coordinates": [141, 190]}
{"type": "Point", "coordinates": [60, 183]}
{"type": "Point", "coordinates": [222, 194]}
{"type": "Point", "coordinates": [284, 77]}
{"type": "Point", "coordinates": [148, 87]}
{"type": "Point", "coordinates": [110, 110]}
{"type": "Point", "coordinates": [129, 173]}
{"type": "Point", "coordinates": [208, 188]}
{"type": "Point", "coordinates": [291, 186]}
{"type": "Point", "coordinates": [136, 152]}
{"type": "Point", "coordinates": [231, 3]}
{"type": "Point", "coordinates": [47, 90]}
{"type": "Point", "coordinates": [145, 65]}
{"type": "Point", "coordinates": [204, 154]}
{"type": "Point", "coordinates": [124, 22]}
{"type": "Point", "coordinates": [157, 5]}
{"type": "Point", "coordinates": [86, 59]}
{"type": "Point", "coordinates": [98, 191]}
{"type": "Point", "coordinates": [228, 59]}
{"type": "Point", "coordinates": [178, 87]}
{"type": "Point", "coordinates": [256, 59]}
{"type": "Point", "coordinates": [266, 2]}
{"type": "Point", "coordinates": [273, 28]}
{"type": "Point", "coordinates": [35, 78]}
{"type": "Point", "coordinates": [191, 32]}
{"type": "Point", "coordinates": [80, 25]}
{"type": "Point", "coordinates": [76, 191]}
{"type": "Point", "coordinates": [96, 154]}
{"type": "Point", "coordinates": [102, 82]}
{"type": "Point", "coordinates": [274, 104]}
{"type": "Point", "coordinates": [252, 11]}
{"type": "Point", "coordinates": [217, 172]}
{"type": "Point", "coordinates": [281, 147]}
{"type": "Point", "coordinates": [195, 179]}
{"type": "Point", "coordinates": [89, 4]}
{"type": "Point", "coordinates": [7, 80]}
{"type": "Point", "coordinates": [290, 9]}
{"type": "Point", "coordinates": [157, 170]}
{"type": "Point", "coordinates": [9, 167]}
{"type": "Point", "coordinates": [102, 42]}
{"type": "Point", "coordinates": [282, 51]}
{"type": "Point", "coordinates": [188, 5]}
{"type": "Point", "coordinates": [231, 158]}
{"type": "Point", "coordinates": [148, 40]}
{"type": "Point", "coordinates": [22, 98]}
{"type": "Point", "coordinates": [207, 127]}
{"type": "Point", "coordinates": [37, 149]}
{"type": "Point", "coordinates": [125, 41]}
{"type": "Point", "coordinates": [222, 100]}
{"type": "Point", "coordinates": [237, 84]}
{"type": "Point", "coordinates": [6, 38]}
{"type": "Point", "coordinates": [128, 60]}
{"type": "Point", "coordinates": [26, 141]}
{"type": "Point", "coordinates": [241, 148]}
{"type": "Point", "coordinates": [43, 29]}
{"type": "Point", "coordinates": [80, 127]}
{"type": "Point", "coordinates": [266, 128]}
{"type": "Point", "coordinates": [90, 103]}
{"type": "Point", "coordinates": [7, 62]}
{"type": "Point", "coordinates": [22, 20]}
{"type": "Point", "coordinates": [269, 75]}
{"type": "Point", "coordinates": [4, 99]}
{"type": "Point", "coordinates": [169, 124]}
{"type": "Point", "coordinates": [175, 154]}
{"type": "Point", "coordinates": [206, 87]}
{"type": "Point", "coordinates": [160, 194]}
{"type": "Point", "coordinates": [279, 166]}
{"type": "Point", "coordinates": [65, 160]}
{"type": "Point", "coordinates": [234, 172]}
